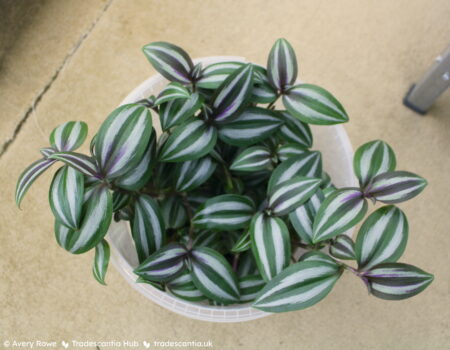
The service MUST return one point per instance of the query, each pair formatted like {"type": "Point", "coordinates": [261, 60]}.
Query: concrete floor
{"type": "Point", "coordinates": [76, 60]}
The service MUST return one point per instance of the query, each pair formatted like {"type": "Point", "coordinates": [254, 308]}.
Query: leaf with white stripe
{"type": "Point", "coordinates": [122, 139]}
{"type": "Point", "coordinates": [302, 218]}
{"type": "Point", "coordinates": [177, 111]}
{"type": "Point", "coordinates": [290, 150]}
{"type": "Point", "coordinates": [78, 161]}
{"type": "Point", "coordinates": [189, 141]}
{"type": "Point", "coordinates": [120, 200]}
{"type": "Point", "coordinates": [101, 261]}
{"type": "Point", "coordinates": [247, 264]}
{"type": "Point", "coordinates": [215, 74]}
{"type": "Point", "coordinates": [340, 211]}
{"type": "Point", "coordinates": [382, 237]}
{"type": "Point", "coordinates": [252, 159]}
{"type": "Point", "coordinates": [271, 245]}
{"type": "Point", "coordinates": [193, 173]}
{"type": "Point", "coordinates": [294, 130]}
{"type": "Point", "coordinates": [148, 229]}
{"type": "Point", "coordinates": [343, 247]}
{"type": "Point", "coordinates": [289, 195]}
{"type": "Point", "coordinates": [173, 212]}
{"type": "Point", "coordinates": [68, 136]}
{"type": "Point", "coordinates": [298, 287]}
{"type": "Point", "coordinates": [263, 93]}
{"type": "Point", "coordinates": [397, 281]}
{"type": "Point", "coordinates": [318, 256]}
{"type": "Point", "coordinates": [307, 164]}
{"type": "Point", "coordinates": [63, 235]}
{"type": "Point", "coordinates": [66, 196]}
{"type": "Point", "coordinates": [47, 151]}
{"type": "Point", "coordinates": [164, 264]}
{"type": "Point", "coordinates": [282, 65]}
{"type": "Point", "coordinates": [171, 61]}
{"type": "Point", "coordinates": [249, 287]}
{"type": "Point", "coordinates": [225, 213]}
{"type": "Point", "coordinates": [231, 96]}
{"type": "Point", "coordinates": [29, 175]}
{"type": "Point", "coordinates": [371, 159]}
{"type": "Point", "coordinates": [243, 243]}
{"type": "Point", "coordinates": [213, 275]}
{"type": "Point", "coordinates": [395, 187]}
{"type": "Point", "coordinates": [251, 126]}
{"type": "Point", "coordinates": [183, 288]}
{"type": "Point", "coordinates": [314, 105]}
{"type": "Point", "coordinates": [95, 222]}
{"type": "Point", "coordinates": [171, 92]}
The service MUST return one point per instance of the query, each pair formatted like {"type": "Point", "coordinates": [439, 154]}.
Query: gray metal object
{"type": "Point", "coordinates": [436, 80]}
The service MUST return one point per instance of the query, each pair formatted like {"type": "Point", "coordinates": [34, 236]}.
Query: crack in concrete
{"type": "Point", "coordinates": [55, 75]}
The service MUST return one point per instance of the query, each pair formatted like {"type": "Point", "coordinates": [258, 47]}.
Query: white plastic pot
{"type": "Point", "coordinates": [337, 153]}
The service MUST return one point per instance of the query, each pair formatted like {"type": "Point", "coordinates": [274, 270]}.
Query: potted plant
{"type": "Point", "coordinates": [225, 200]}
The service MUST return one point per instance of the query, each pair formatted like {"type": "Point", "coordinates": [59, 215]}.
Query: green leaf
{"type": "Point", "coordinates": [298, 287]}
{"type": "Point", "coordinates": [243, 243]}
{"type": "Point", "coordinates": [171, 92]}
{"type": "Point", "coordinates": [343, 248]}
{"type": "Point", "coordinates": [47, 151]}
{"type": "Point", "coordinates": [101, 261]}
{"type": "Point", "coordinates": [340, 211]}
{"type": "Point", "coordinates": [314, 105]}
{"type": "Point", "coordinates": [397, 281]}
{"type": "Point", "coordinates": [178, 111]}
{"type": "Point", "coordinates": [68, 136]}
{"type": "Point", "coordinates": [295, 131]}
{"type": "Point", "coordinates": [66, 196]}
{"type": "Point", "coordinates": [249, 287]}
{"type": "Point", "coordinates": [251, 126]}
{"type": "Point", "coordinates": [252, 159]}
{"type": "Point", "coordinates": [271, 245]}
{"type": "Point", "coordinates": [78, 161]}
{"type": "Point", "coordinates": [282, 65]}
{"type": "Point", "coordinates": [157, 285]}
{"type": "Point", "coordinates": [318, 256]}
{"type": "Point", "coordinates": [63, 235]}
{"type": "Point", "coordinates": [215, 74]}
{"type": "Point", "coordinates": [183, 287]}
{"type": "Point", "coordinates": [230, 97]}
{"type": "Point", "coordinates": [120, 200]}
{"type": "Point", "coordinates": [122, 139]}
{"type": "Point", "coordinates": [163, 265]}
{"type": "Point", "coordinates": [173, 212]}
{"type": "Point", "coordinates": [148, 228]}
{"type": "Point", "coordinates": [307, 164]}
{"type": "Point", "coordinates": [395, 186]}
{"type": "Point", "coordinates": [289, 195]}
{"type": "Point", "coordinates": [382, 237]}
{"type": "Point", "coordinates": [29, 175]}
{"type": "Point", "coordinates": [189, 141]}
{"type": "Point", "coordinates": [371, 159]}
{"type": "Point", "coordinates": [247, 264]}
{"type": "Point", "coordinates": [191, 174]}
{"type": "Point", "coordinates": [171, 61]}
{"type": "Point", "coordinates": [213, 275]}
{"type": "Point", "coordinates": [224, 213]}
{"type": "Point", "coordinates": [263, 93]}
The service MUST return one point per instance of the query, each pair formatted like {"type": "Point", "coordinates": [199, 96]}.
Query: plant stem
{"type": "Point", "coordinates": [235, 262]}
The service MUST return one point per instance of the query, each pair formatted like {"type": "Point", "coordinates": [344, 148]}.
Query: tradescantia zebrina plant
{"type": "Point", "coordinates": [229, 204]}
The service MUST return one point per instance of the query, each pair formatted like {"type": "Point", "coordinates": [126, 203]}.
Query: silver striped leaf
{"type": "Point", "coordinates": [249, 287]}
{"type": "Point", "coordinates": [271, 245]}
{"type": "Point", "coordinates": [225, 213]}
{"type": "Point", "coordinates": [289, 195]}
{"type": "Point", "coordinates": [173, 212]}
{"type": "Point", "coordinates": [171, 61]}
{"type": "Point", "coordinates": [157, 285]}
{"type": "Point", "coordinates": [318, 256]}
{"type": "Point", "coordinates": [66, 196]}
{"type": "Point", "coordinates": [395, 187]}
{"type": "Point", "coordinates": [193, 173]}
{"type": "Point", "coordinates": [230, 97]}
{"type": "Point", "coordinates": [29, 175]}
{"type": "Point", "coordinates": [95, 222]}
{"type": "Point", "coordinates": [252, 159]}
{"type": "Point", "coordinates": [326, 181]}
{"type": "Point", "coordinates": [47, 151]}
{"type": "Point", "coordinates": [314, 105]}
{"type": "Point", "coordinates": [263, 93]}
{"type": "Point", "coordinates": [171, 92]}
{"type": "Point", "coordinates": [122, 139]}
{"type": "Point", "coordinates": [68, 136]}
{"type": "Point", "coordinates": [282, 65]}
{"type": "Point", "coordinates": [308, 164]}
{"type": "Point", "coordinates": [327, 191]}
{"type": "Point", "coordinates": [243, 243]}
{"type": "Point", "coordinates": [178, 111]}
{"type": "Point", "coordinates": [295, 131]}
{"type": "Point", "coordinates": [63, 235]}
{"type": "Point", "coordinates": [196, 72]}
{"type": "Point", "coordinates": [120, 200]}
{"type": "Point", "coordinates": [208, 239]}
{"type": "Point", "coordinates": [183, 287]}
{"type": "Point", "coordinates": [190, 140]}
{"type": "Point", "coordinates": [382, 237]}
{"type": "Point", "coordinates": [78, 161]}
{"type": "Point", "coordinates": [371, 159]}
{"type": "Point", "coordinates": [164, 264]}
{"type": "Point", "coordinates": [302, 218]}
{"type": "Point", "coordinates": [343, 248]}
{"type": "Point", "coordinates": [215, 74]}
{"type": "Point", "coordinates": [148, 229]}
{"type": "Point", "coordinates": [397, 281]}
{"type": "Point", "coordinates": [340, 211]}
{"type": "Point", "coordinates": [213, 275]}
{"type": "Point", "coordinates": [298, 287]}
{"type": "Point", "coordinates": [290, 150]}
{"type": "Point", "coordinates": [101, 261]}
{"type": "Point", "coordinates": [251, 126]}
